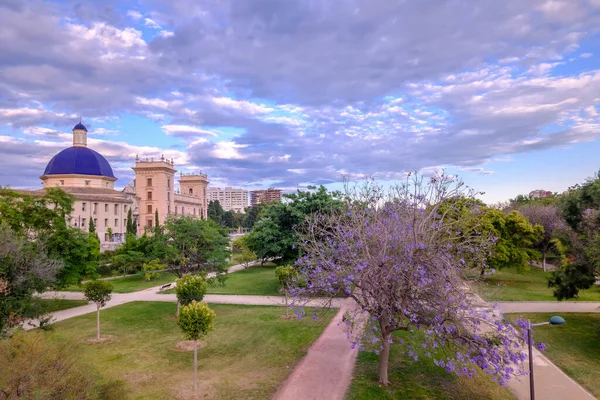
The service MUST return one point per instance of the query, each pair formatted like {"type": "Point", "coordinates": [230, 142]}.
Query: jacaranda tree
{"type": "Point", "coordinates": [402, 262]}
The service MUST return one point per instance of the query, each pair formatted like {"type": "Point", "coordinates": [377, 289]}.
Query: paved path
{"type": "Point", "coordinates": [326, 371]}
{"type": "Point", "coordinates": [551, 383]}
{"type": "Point", "coordinates": [547, 306]}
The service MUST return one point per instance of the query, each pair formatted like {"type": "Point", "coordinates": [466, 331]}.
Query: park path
{"type": "Point", "coordinates": [547, 306]}
{"type": "Point", "coordinates": [327, 369]}
{"type": "Point", "coordinates": [551, 383]}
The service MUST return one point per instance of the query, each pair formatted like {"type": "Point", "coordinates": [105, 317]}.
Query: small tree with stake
{"type": "Point", "coordinates": [98, 292]}
{"type": "Point", "coordinates": [196, 320]}
{"type": "Point", "coordinates": [286, 276]}
{"type": "Point", "coordinates": [190, 288]}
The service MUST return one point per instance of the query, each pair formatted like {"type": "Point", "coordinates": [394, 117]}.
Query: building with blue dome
{"type": "Point", "coordinates": [88, 176]}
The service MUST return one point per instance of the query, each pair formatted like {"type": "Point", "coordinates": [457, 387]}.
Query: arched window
{"type": "Point", "coordinates": [191, 191]}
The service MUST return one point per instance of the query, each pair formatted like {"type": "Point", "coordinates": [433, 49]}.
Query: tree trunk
{"type": "Point", "coordinates": [177, 313]}
{"type": "Point", "coordinates": [384, 360]}
{"type": "Point", "coordinates": [286, 306]}
{"type": "Point", "coordinates": [195, 366]}
{"type": "Point", "coordinates": [544, 261]}
{"type": "Point", "coordinates": [98, 323]}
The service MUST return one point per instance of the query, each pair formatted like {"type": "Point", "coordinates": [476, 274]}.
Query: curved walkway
{"type": "Point", "coordinates": [547, 306]}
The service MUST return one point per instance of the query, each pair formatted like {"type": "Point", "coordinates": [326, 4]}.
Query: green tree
{"type": "Point", "coordinates": [25, 268]}
{"type": "Point", "coordinates": [98, 292]}
{"type": "Point", "coordinates": [199, 245]}
{"type": "Point", "coordinates": [215, 211]}
{"type": "Point", "coordinates": [274, 234]}
{"type": "Point", "coordinates": [246, 257]}
{"type": "Point", "coordinates": [152, 269]}
{"type": "Point", "coordinates": [253, 214]}
{"type": "Point", "coordinates": [516, 237]}
{"type": "Point", "coordinates": [228, 219]}
{"type": "Point", "coordinates": [286, 276]}
{"type": "Point", "coordinates": [44, 218]}
{"type": "Point", "coordinates": [131, 228]}
{"type": "Point", "coordinates": [196, 320]}
{"type": "Point", "coordinates": [190, 288]}
{"type": "Point", "coordinates": [92, 226]}
{"type": "Point", "coordinates": [580, 208]}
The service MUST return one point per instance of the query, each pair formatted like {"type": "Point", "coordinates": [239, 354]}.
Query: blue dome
{"type": "Point", "coordinates": [79, 160]}
{"type": "Point", "coordinates": [80, 126]}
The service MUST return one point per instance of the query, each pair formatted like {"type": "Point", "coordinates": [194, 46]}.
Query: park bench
{"type": "Point", "coordinates": [163, 287]}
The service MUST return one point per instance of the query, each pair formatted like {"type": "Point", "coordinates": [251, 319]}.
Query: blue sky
{"type": "Point", "coordinates": [268, 92]}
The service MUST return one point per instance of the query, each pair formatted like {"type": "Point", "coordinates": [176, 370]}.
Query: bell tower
{"type": "Point", "coordinates": [80, 135]}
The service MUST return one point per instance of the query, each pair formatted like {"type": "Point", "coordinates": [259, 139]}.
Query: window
{"type": "Point", "coordinates": [82, 206]}
{"type": "Point", "coordinates": [106, 184]}
{"type": "Point", "coordinates": [149, 182]}
{"type": "Point", "coordinates": [149, 223]}
{"type": "Point", "coordinates": [116, 209]}
{"type": "Point", "coordinates": [149, 195]}
{"type": "Point", "coordinates": [149, 208]}
{"type": "Point", "coordinates": [194, 211]}
{"type": "Point", "coordinates": [169, 183]}
{"type": "Point", "coordinates": [105, 222]}
{"type": "Point", "coordinates": [96, 221]}
{"type": "Point", "coordinates": [62, 183]}
{"type": "Point", "coordinates": [124, 223]}
{"type": "Point", "coordinates": [82, 222]}
{"type": "Point", "coordinates": [169, 209]}
{"type": "Point", "coordinates": [105, 207]}
{"type": "Point", "coordinates": [125, 208]}
{"type": "Point", "coordinates": [116, 222]}
{"type": "Point", "coordinates": [191, 191]}
{"type": "Point", "coordinates": [87, 183]}
{"type": "Point", "coordinates": [95, 208]}
{"type": "Point", "coordinates": [168, 196]}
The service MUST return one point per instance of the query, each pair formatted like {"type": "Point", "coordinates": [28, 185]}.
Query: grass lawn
{"type": "Point", "coordinates": [45, 306]}
{"type": "Point", "coordinates": [248, 354]}
{"type": "Point", "coordinates": [510, 285]}
{"type": "Point", "coordinates": [256, 280]}
{"type": "Point", "coordinates": [133, 283]}
{"type": "Point", "coordinates": [573, 347]}
{"type": "Point", "coordinates": [418, 380]}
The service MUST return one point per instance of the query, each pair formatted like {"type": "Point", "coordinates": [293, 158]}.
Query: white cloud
{"type": "Point", "coordinates": [586, 55]}
{"type": "Point", "coordinates": [227, 150]}
{"type": "Point", "coordinates": [186, 130]}
{"type": "Point", "coordinates": [244, 106]}
{"type": "Point", "coordinates": [135, 15]}
{"type": "Point", "coordinates": [149, 22]}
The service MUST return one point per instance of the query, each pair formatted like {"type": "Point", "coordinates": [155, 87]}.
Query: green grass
{"type": "Point", "coordinates": [133, 283]}
{"type": "Point", "coordinates": [510, 285]}
{"type": "Point", "coordinates": [573, 347]}
{"type": "Point", "coordinates": [419, 379]}
{"type": "Point", "coordinates": [259, 281]}
{"type": "Point", "coordinates": [248, 355]}
{"type": "Point", "coordinates": [44, 306]}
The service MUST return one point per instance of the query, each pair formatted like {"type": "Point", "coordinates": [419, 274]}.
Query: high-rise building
{"type": "Point", "coordinates": [264, 196]}
{"type": "Point", "coordinates": [230, 199]}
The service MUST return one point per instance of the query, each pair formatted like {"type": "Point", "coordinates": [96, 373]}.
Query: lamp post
{"type": "Point", "coordinates": [556, 320]}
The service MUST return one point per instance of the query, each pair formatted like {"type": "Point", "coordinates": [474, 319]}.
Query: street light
{"type": "Point", "coordinates": [556, 320]}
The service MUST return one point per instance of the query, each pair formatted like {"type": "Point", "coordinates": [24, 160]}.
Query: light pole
{"type": "Point", "coordinates": [556, 320]}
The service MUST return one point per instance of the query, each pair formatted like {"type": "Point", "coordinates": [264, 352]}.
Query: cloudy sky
{"type": "Point", "coordinates": [278, 93]}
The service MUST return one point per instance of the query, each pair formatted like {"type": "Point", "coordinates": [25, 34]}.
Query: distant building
{"type": "Point", "coordinates": [540, 194]}
{"type": "Point", "coordinates": [230, 199]}
{"type": "Point", "coordinates": [264, 196]}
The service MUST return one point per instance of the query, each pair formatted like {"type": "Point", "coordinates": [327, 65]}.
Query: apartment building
{"type": "Point", "coordinates": [231, 199]}
{"type": "Point", "coordinates": [264, 196]}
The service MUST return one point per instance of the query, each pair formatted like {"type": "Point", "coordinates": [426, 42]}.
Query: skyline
{"type": "Point", "coordinates": [264, 93]}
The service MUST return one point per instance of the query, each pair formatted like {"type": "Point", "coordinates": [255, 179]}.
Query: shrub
{"type": "Point", "coordinates": [37, 366]}
{"type": "Point", "coordinates": [196, 320]}
{"type": "Point", "coordinates": [190, 288]}
{"type": "Point", "coordinates": [152, 269]}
